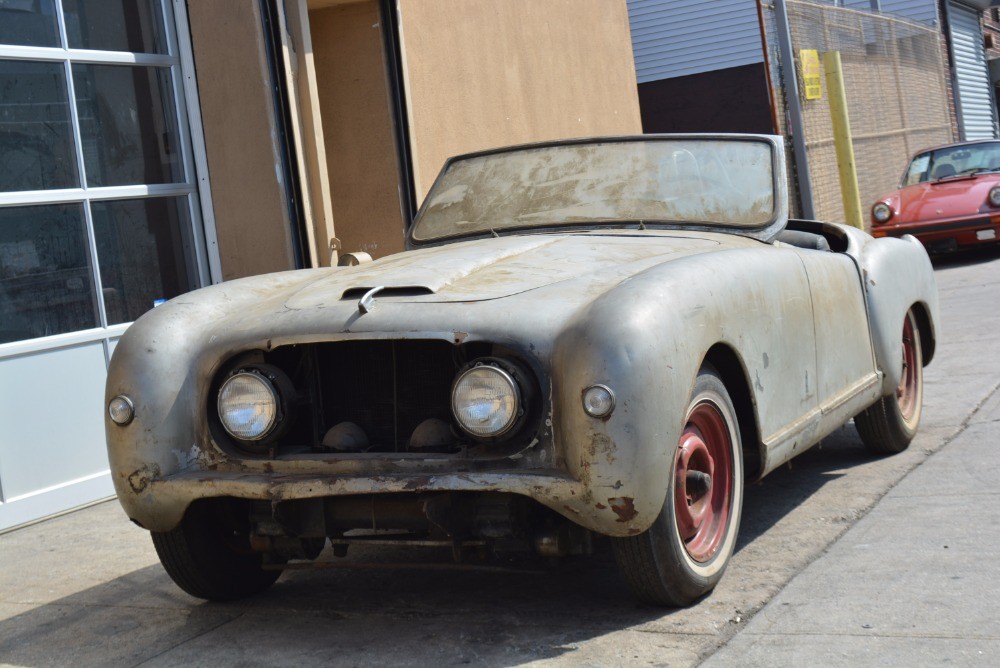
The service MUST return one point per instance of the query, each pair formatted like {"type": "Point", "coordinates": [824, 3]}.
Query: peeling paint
{"type": "Point", "coordinates": [186, 459]}
{"type": "Point", "coordinates": [623, 507]}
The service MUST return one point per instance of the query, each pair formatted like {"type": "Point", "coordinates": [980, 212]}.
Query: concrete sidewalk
{"type": "Point", "coordinates": [914, 582]}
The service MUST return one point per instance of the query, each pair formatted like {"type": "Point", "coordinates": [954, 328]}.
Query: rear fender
{"type": "Point", "coordinates": [898, 276]}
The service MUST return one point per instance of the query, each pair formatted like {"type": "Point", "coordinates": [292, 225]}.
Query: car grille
{"type": "Point", "coordinates": [385, 387]}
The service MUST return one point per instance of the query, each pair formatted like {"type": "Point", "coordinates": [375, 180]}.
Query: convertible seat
{"type": "Point", "coordinates": [804, 240]}
{"type": "Point", "coordinates": [943, 172]}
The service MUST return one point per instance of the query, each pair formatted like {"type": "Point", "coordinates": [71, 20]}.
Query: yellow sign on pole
{"type": "Point", "coordinates": [811, 73]}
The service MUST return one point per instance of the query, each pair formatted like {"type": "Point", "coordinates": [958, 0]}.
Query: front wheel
{"type": "Point", "coordinates": [888, 426]}
{"type": "Point", "coordinates": [208, 555]}
{"type": "Point", "coordinates": [682, 556]}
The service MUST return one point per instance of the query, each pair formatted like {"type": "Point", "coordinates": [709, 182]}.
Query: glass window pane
{"type": "Point", "coordinates": [145, 253]}
{"type": "Point", "coordinates": [127, 124]}
{"type": "Point", "coordinates": [28, 23]}
{"type": "Point", "coordinates": [46, 285]}
{"type": "Point", "coordinates": [115, 25]}
{"type": "Point", "coordinates": [36, 133]}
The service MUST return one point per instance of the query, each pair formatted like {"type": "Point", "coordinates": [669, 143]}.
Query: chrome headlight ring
{"type": "Point", "coordinates": [487, 401]}
{"type": "Point", "coordinates": [252, 404]}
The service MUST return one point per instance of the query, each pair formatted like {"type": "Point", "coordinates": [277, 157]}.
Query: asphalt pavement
{"type": "Point", "coordinates": [844, 559]}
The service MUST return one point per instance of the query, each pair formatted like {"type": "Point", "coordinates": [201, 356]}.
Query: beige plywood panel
{"type": "Point", "coordinates": [482, 73]}
{"type": "Point", "coordinates": [241, 138]}
{"type": "Point", "coordinates": [357, 127]}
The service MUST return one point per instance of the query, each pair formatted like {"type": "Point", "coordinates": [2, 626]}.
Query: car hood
{"type": "Point", "coordinates": [945, 199]}
{"type": "Point", "coordinates": [494, 268]}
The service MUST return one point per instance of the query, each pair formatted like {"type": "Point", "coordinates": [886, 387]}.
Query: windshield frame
{"type": "Point", "coordinates": [765, 231]}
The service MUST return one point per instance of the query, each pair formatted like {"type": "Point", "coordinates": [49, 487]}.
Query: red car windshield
{"type": "Point", "coordinates": [950, 161]}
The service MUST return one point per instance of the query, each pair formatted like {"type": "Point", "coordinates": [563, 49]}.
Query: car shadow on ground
{"type": "Point", "coordinates": [963, 257]}
{"type": "Point", "coordinates": [786, 488]}
{"type": "Point", "coordinates": [395, 614]}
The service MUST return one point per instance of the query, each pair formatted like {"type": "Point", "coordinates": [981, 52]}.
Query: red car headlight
{"type": "Point", "coordinates": [882, 212]}
{"type": "Point", "coordinates": [994, 196]}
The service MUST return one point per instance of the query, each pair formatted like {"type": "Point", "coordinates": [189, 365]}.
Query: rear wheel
{"type": "Point", "coordinates": [208, 554]}
{"type": "Point", "coordinates": [682, 556]}
{"type": "Point", "coordinates": [888, 426]}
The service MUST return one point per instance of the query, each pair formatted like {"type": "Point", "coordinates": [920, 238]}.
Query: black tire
{"type": "Point", "coordinates": [208, 555]}
{"type": "Point", "coordinates": [888, 426]}
{"type": "Point", "coordinates": [661, 566]}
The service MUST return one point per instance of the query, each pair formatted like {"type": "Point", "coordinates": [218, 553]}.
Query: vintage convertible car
{"type": "Point", "coordinates": [587, 338]}
{"type": "Point", "coordinates": [949, 197]}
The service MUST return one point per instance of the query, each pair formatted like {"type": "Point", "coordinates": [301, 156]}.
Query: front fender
{"type": "Point", "coordinates": [647, 340]}
{"type": "Point", "coordinates": [622, 461]}
{"type": "Point", "coordinates": [161, 365]}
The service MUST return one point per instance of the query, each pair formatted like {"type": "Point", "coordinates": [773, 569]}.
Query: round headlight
{"type": "Point", "coordinates": [120, 410]}
{"type": "Point", "coordinates": [881, 212]}
{"type": "Point", "coordinates": [995, 196]}
{"type": "Point", "coordinates": [485, 401]}
{"type": "Point", "coordinates": [248, 406]}
{"type": "Point", "coordinates": [598, 401]}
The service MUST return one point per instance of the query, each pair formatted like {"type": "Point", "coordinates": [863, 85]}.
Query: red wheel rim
{"type": "Point", "coordinates": [906, 393]}
{"type": "Point", "coordinates": [703, 484]}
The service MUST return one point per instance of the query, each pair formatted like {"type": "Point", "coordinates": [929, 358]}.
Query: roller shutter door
{"type": "Point", "coordinates": [973, 92]}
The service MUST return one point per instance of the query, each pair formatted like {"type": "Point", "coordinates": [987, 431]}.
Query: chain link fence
{"type": "Point", "coordinates": [896, 92]}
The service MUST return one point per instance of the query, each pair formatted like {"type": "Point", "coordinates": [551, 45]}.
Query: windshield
{"type": "Point", "coordinates": [701, 182]}
{"type": "Point", "coordinates": [953, 161]}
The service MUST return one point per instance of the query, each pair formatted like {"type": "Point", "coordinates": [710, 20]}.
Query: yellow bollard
{"type": "Point", "coordinates": [842, 140]}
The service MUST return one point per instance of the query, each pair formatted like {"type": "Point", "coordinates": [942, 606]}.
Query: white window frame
{"type": "Point", "coordinates": [180, 61]}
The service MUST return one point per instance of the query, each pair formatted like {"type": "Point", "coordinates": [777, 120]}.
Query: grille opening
{"type": "Point", "coordinates": [388, 388]}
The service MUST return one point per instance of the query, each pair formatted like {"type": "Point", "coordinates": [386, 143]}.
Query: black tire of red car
{"type": "Point", "coordinates": [683, 555]}
{"type": "Point", "coordinates": [208, 554]}
{"type": "Point", "coordinates": [888, 426]}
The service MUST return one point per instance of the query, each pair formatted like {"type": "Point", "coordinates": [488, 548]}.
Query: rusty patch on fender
{"type": "Point", "coordinates": [139, 480]}
{"type": "Point", "coordinates": [600, 506]}
{"type": "Point", "coordinates": [602, 445]}
{"type": "Point", "coordinates": [623, 507]}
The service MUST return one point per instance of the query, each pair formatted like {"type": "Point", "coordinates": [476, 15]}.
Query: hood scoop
{"type": "Point", "coordinates": [400, 291]}
{"type": "Point", "coordinates": [367, 295]}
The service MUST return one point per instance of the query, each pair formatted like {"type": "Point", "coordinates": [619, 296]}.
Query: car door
{"type": "Point", "coordinates": [846, 377]}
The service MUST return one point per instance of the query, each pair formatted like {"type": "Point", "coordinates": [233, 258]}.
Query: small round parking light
{"type": "Point", "coordinates": [598, 401]}
{"type": "Point", "coordinates": [881, 212]}
{"type": "Point", "coordinates": [995, 196]}
{"type": "Point", "coordinates": [120, 410]}
{"type": "Point", "coordinates": [248, 406]}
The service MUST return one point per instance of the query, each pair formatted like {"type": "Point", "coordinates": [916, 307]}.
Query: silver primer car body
{"type": "Point", "coordinates": [562, 271]}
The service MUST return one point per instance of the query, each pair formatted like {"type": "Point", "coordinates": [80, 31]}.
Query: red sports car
{"type": "Point", "coordinates": [949, 197]}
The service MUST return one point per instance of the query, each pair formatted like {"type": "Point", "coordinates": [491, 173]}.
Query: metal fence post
{"type": "Point", "coordinates": [842, 139]}
{"type": "Point", "coordinates": [794, 110]}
